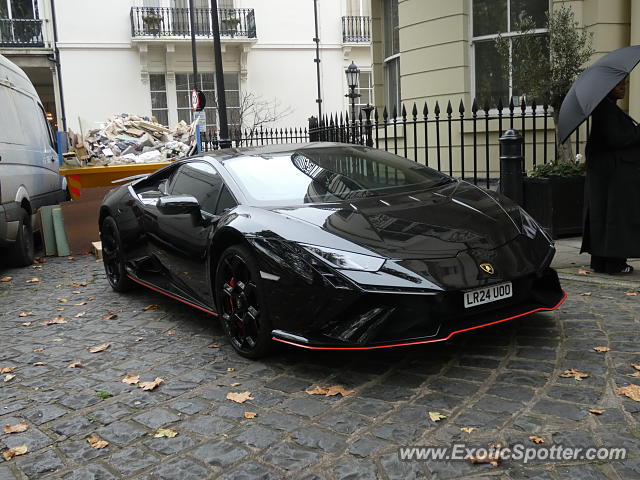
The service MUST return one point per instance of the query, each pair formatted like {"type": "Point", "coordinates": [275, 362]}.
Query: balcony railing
{"type": "Point", "coordinates": [356, 29]}
{"type": "Point", "coordinates": [174, 22]}
{"type": "Point", "coordinates": [21, 33]}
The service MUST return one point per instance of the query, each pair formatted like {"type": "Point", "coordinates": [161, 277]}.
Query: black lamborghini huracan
{"type": "Point", "coordinates": [327, 246]}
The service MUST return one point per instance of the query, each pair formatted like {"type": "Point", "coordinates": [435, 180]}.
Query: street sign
{"type": "Point", "coordinates": [201, 117]}
{"type": "Point", "coordinates": [198, 100]}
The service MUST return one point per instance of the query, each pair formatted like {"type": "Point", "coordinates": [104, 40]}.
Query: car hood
{"type": "Point", "coordinates": [435, 223]}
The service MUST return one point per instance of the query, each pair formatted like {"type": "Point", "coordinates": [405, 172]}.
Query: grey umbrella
{"type": "Point", "coordinates": [593, 85]}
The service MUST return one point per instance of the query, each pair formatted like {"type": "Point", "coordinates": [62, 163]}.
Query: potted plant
{"type": "Point", "coordinates": [152, 21]}
{"type": "Point", "coordinates": [545, 67]}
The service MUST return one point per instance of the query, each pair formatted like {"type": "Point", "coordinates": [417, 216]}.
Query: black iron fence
{"type": "Point", "coordinates": [174, 22]}
{"type": "Point", "coordinates": [459, 142]}
{"type": "Point", "coordinates": [256, 137]}
{"type": "Point", "coordinates": [356, 29]}
{"type": "Point", "coordinates": [15, 32]}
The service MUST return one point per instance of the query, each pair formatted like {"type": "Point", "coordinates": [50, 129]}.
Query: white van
{"type": "Point", "coordinates": [28, 164]}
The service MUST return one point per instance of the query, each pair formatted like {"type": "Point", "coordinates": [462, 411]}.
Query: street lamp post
{"type": "Point", "coordinates": [353, 76]}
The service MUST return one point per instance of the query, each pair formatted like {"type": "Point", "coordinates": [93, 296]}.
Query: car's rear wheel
{"type": "Point", "coordinates": [241, 303]}
{"type": "Point", "coordinates": [20, 254]}
{"type": "Point", "coordinates": [112, 256]}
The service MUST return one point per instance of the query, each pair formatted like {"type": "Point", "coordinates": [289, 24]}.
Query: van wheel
{"type": "Point", "coordinates": [20, 254]}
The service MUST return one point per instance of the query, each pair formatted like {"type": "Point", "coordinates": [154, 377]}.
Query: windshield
{"type": "Point", "coordinates": [335, 174]}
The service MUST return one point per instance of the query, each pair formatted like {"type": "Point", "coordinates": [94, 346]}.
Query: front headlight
{"type": "Point", "coordinates": [345, 260]}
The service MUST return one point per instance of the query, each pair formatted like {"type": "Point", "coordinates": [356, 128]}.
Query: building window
{"type": "Point", "coordinates": [158, 87]}
{"type": "Point", "coordinates": [359, 8]}
{"type": "Point", "coordinates": [365, 89]}
{"type": "Point", "coordinates": [490, 19]}
{"type": "Point", "coordinates": [184, 85]}
{"type": "Point", "coordinates": [392, 56]}
{"type": "Point", "coordinates": [19, 9]}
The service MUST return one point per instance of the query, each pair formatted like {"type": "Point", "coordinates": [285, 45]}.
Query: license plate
{"type": "Point", "coordinates": [493, 293]}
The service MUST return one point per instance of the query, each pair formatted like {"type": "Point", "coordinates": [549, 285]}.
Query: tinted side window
{"type": "Point", "coordinates": [226, 201]}
{"type": "Point", "coordinates": [200, 180]}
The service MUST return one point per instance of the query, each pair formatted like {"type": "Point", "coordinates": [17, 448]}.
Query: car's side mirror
{"type": "Point", "coordinates": [178, 204]}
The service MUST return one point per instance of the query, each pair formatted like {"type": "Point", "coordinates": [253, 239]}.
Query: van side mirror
{"type": "Point", "coordinates": [178, 204]}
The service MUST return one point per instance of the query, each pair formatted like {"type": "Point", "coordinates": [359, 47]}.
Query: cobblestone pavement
{"type": "Point", "coordinates": [503, 380]}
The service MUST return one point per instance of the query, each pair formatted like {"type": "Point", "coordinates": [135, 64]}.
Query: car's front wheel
{"type": "Point", "coordinates": [20, 254]}
{"type": "Point", "coordinates": [112, 256]}
{"type": "Point", "coordinates": [241, 303]}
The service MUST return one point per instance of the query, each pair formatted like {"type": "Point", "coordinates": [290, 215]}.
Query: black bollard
{"type": "Point", "coordinates": [511, 161]}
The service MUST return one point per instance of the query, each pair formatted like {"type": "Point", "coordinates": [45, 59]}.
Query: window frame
{"type": "Point", "coordinates": [484, 38]}
{"type": "Point", "coordinates": [391, 57]}
{"type": "Point", "coordinates": [166, 99]}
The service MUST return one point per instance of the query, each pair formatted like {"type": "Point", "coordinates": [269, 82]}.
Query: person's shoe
{"type": "Point", "coordinates": [626, 270]}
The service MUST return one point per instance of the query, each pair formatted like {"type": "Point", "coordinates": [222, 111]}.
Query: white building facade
{"type": "Point", "coordinates": [134, 56]}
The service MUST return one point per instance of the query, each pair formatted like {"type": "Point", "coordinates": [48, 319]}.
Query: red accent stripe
{"type": "Point", "coordinates": [425, 341]}
{"type": "Point", "coordinates": [172, 296]}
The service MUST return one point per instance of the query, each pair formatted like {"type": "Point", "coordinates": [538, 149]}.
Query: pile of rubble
{"type": "Point", "coordinates": [128, 139]}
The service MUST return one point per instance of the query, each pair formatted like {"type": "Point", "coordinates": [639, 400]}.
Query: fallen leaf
{"type": "Point", "coordinates": [6, 370]}
{"type": "Point", "coordinates": [575, 373]}
{"type": "Point", "coordinates": [39, 364]}
{"type": "Point", "coordinates": [60, 309]}
{"type": "Point", "coordinates": [150, 385]}
{"type": "Point", "coordinates": [57, 340]}
{"type": "Point", "coordinates": [467, 429]}
{"type": "Point", "coordinates": [330, 391]}
{"type": "Point", "coordinates": [25, 314]}
{"type": "Point", "coordinates": [131, 379]}
{"type": "Point", "coordinates": [601, 349]}
{"type": "Point", "coordinates": [6, 279]}
{"type": "Point", "coordinates": [585, 294]}
{"type": "Point", "coordinates": [104, 395]}
{"type": "Point", "coordinates": [71, 258]}
{"type": "Point", "coordinates": [582, 271]}
{"type": "Point", "coordinates": [39, 349]}
{"type": "Point", "coordinates": [96, 442]}
{"type": "Point", "coordinates": [39, 260]}
{"type": "Point", "coordinates": [171, 332]}
{"type": "Point", "coordinates": [59, 285]}
{"type": "Point", "coordinates": [79, 315]}
{"type": "Point", "coordinates": [26, 324]}
{"type": "Point", "coordinates": [239, 397]}
{"type": "Point", "coordinates": [250, 414]}
{"type": "Point", "coordinates": [89, 299]}
{"type": "Point", "coordinates": [630, 294]}
{"type": "Point", "coordinates": [230, 369]}
{"type": "Point", "coordinates": [36, 267]}
{"type": "Point", "coordinates": [631, 391]}
{"type": "Point", "coordinates": [436, 416]}
{"type": "Point", "coordinates": [9, 377]}
{"type": "Point", "coordinates": [110, 316]}
{"type": "Point", "coordinates": [75, 365]}
{"type": "Point", "coordinates": [634, 374]}
{"type": "Point", "coordinates": [79, 304]}
{"type": "Point", "coordinates": [14, 452]}
{"type": "Point", "coordinates": [98, 348]}
{"type": "Point", "coordinates": [79, 284]}
{"type": "Point", "coordinates": [596, 411]}
{"type": "Point", "coordinates": [76, 291]}
{"type": "Point", "coordinates": [150, 307]}
{"type": "Point", "coordinates": [636, 366]}
{"type": "Point", "coordinates": [56, 321]}
{"type": "Point", "coordinates": [33, 280]}
{"type": "Point", "coordinates": [213, 345]}
{"type": "Point", "coordinates": [236, 384]}
{"type": "Point", "coordinates": [536, 439]}
{"type": "Point", "coordinates": [165, 432]}
{"type": "Point", "coordinates": [63, 300]}
{"type": "Point", "coordinates": [17, 428]}
{"type": "Point", "coordinates": [489, 456]}
{"type": "Point", "coordinates": [139, 339]}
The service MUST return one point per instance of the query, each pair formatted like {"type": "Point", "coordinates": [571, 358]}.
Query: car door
{"type": "Point", "coordinates": [182, 239]}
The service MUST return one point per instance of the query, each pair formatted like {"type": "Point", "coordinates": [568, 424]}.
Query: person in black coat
{"type": "Point", "coordinates": [612, 189]}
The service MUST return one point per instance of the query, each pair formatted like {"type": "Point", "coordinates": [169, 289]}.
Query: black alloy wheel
{"type": "Point", "coordinates": [20, 254]}
{"type": "Point", "coordinates": [240, 303]}
{"type": "Point", "coordinates": [112, 256]}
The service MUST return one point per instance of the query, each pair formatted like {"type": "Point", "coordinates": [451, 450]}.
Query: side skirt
{"type": "Point", "coordinates": [171, 295]}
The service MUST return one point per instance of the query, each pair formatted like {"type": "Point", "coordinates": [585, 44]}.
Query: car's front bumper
{"type": "Point", "coordinates": [383, 320]}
